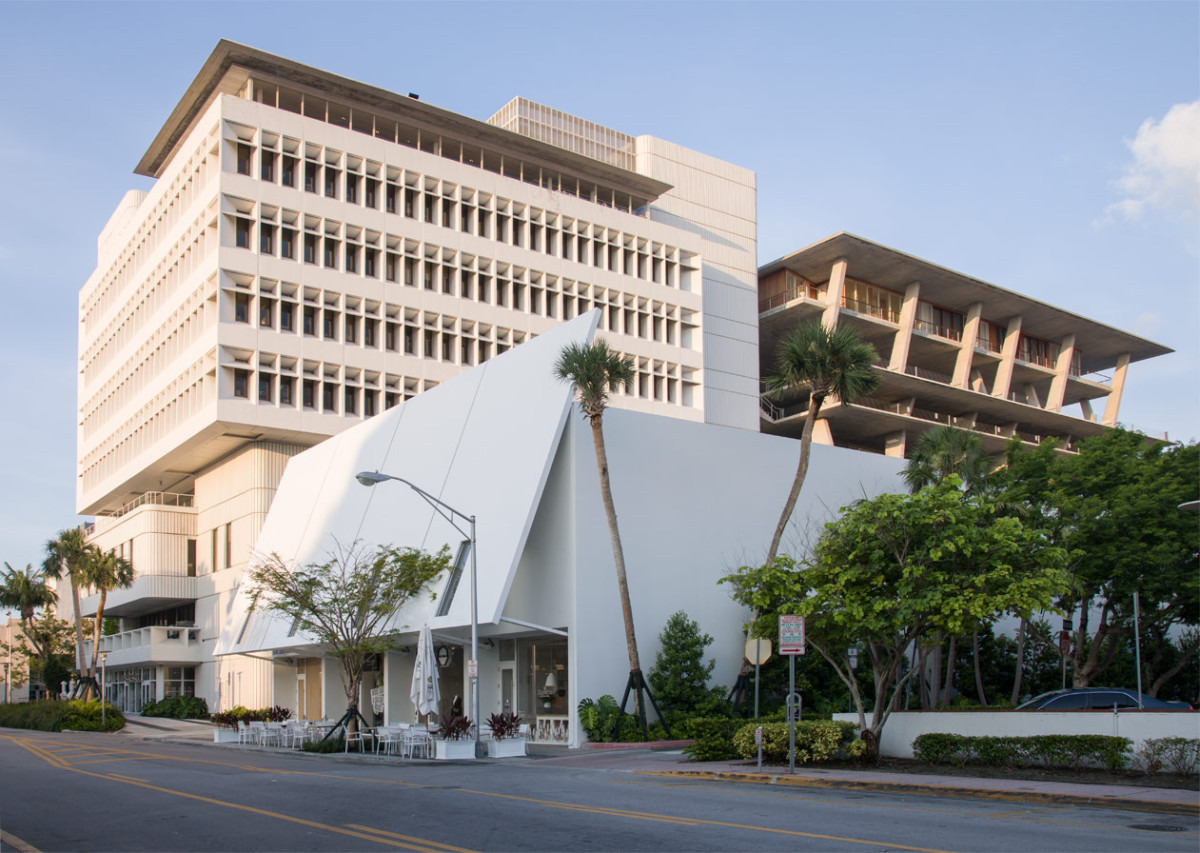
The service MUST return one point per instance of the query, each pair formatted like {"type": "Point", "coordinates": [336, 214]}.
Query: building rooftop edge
{"type": "Point", "coordinates": [1140, 347]}
{"type": "Point", "coordinates": [228, 54]}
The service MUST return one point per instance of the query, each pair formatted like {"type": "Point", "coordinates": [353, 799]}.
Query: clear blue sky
{"type": "Point", "coordinates": [992, 138]}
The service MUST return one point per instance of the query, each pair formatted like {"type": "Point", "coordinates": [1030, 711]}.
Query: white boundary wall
{"type": "Point", "coordinates": [904, 727]}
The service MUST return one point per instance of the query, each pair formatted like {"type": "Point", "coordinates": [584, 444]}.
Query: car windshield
{"type": "Point", "coordinates": [1037, 700]}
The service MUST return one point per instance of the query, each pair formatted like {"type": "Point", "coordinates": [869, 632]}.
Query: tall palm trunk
{"type": "Point", "coordinates": [1020, 668]}
{"type": "Point", "coordinates": [79, 661]}
{"type": "Point", "coordinates": [978, 670]}
{"type": "Point", "coordinates": [610, 512]}
{"type": "Point", "coordinates": [814, 408]}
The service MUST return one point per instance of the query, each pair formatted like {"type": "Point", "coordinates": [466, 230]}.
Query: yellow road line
{"type": "Point", "coordinates": [128, 780]}
{"type": "Point", "coordinates": [607, 812]}
{"type": "Point", "coordinates": [17, 844]}
{"type": "Point", "coordinates": [433, 845]}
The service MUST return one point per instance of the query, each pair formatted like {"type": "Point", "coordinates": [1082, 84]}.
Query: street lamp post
{"type": "Point", "coordinates": [371, 478]}
{"type": "Point", "coordinates": [103, 683]}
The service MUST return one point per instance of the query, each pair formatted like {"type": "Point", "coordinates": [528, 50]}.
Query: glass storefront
{"type": "Point", "coordinates": [132, 689]}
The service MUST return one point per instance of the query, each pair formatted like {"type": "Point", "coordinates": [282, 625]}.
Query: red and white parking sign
{"type": "Point", "coordinates": [791, 635]}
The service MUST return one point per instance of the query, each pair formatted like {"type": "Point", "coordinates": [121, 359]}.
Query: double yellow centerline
{"type": "Point", "coordinates": [406, 842]}
{"type": "Point", "coordinates": [392, 839]}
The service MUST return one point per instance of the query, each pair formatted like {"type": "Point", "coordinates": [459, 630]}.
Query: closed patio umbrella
{"type": "Point", "coordinates": [425, 693]}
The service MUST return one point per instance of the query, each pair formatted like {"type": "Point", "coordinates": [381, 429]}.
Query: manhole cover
{"type": "Point", "coordinates": [1156, 827]}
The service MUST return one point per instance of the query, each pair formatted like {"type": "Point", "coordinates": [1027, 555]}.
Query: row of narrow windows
{"type": "Point", "coordinates": [462, 209]}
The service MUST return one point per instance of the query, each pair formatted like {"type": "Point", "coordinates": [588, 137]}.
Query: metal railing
{"type": "Point", "coordinates": [153, 499]}
{"type": "Point", "coordinates": [787, 295]}
{"type": "Point", "coordinates": [948, 332]}
{"type": "Point", "coordinates": [873, 310]}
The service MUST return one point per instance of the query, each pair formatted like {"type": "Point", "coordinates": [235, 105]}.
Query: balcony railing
{"type": "Point", "coordinates": [805, 291]}
{"type": "Point", "coordinates": [153, 499]}
{"type": "Point", "coordinates": [883, 312]}
{"type": "Point", "coordinates": [157, 642]}
{"type": "Point", "coordinates": [948, 332]}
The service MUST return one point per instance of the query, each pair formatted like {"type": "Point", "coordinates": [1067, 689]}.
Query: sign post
{"type": "Point", "coordinates": [791, 643]}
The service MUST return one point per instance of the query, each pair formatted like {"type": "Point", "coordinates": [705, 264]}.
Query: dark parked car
{"type": "Point", "coordinates": [1098, 699]}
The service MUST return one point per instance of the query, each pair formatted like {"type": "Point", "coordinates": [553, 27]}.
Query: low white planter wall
{"type": "Point", "coordinates": [507, 748]}
{"type": "Point", "coordinates": [221, 735]}
{"type": "Point", "coordinates": [454, 749]}
{"type": "Point", "coordinates": [903, 727]}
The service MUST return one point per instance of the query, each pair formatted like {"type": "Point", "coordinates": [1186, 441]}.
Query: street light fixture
{"type": "Point", "coordinates": [371, 478]}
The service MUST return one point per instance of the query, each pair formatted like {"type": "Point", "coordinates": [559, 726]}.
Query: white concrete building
{"type": "Point", "coordinates": [505, 443]}
{"type": "Point", "coordinates": [315, 251]}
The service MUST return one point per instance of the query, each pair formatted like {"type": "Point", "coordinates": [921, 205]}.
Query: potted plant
{"type": "Point", "coordinates": [224, 727]}
{"type": "Point", "coordinates": [454, 739]}
{"type": "Point", "coordinates": [507, 739]}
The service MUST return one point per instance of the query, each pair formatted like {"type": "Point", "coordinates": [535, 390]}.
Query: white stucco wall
{"type": "Point", "coordinates": [904, 727]}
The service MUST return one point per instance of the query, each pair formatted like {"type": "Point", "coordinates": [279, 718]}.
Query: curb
{"type": "Point", "coordinates": [1161, 807]}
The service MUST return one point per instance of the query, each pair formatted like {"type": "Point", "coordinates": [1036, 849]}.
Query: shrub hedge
{"type": "Point", "coordinates": [723, 738]}
{"type": "Point", "coordinates": [229, 719]}
{"type": "Point", "coordinates": [1176, 754]}
{"type": "Point", "coordinates": [1073, 751]}
{"type": "Point", "coordinates": [178, 707]}
{"type": "Point", "coordinates": [56, 715]}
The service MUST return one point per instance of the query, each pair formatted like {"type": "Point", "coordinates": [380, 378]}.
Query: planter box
{"type": "Point", "coordinates": [454, 749]}
{"type": "Point", "coordinates": [225, 735]}
{"type": "Point", "coordinates": [506, 748]}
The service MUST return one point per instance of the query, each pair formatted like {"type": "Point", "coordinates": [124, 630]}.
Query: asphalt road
{"type": "Point", "coordinates": [85, 792]}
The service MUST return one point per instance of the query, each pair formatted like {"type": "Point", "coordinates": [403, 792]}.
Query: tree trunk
{"type": "Point", "coordinates": [98, 622]}
{"type": "Point", "coordinates": [814, 408]}
{"type": "Point", "coordinates": [978, 670]}
{"type": "Point", "coordinates": [949, 684]}
{"type": "Point", "coordinates": [79, 661]}
{"type": "Point", "coordinates": [614, 533]}
{"type": "Point", "coordinates": [1016, 692]}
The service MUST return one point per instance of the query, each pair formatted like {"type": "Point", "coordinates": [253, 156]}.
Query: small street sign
{"type": "Point", "coordinates": [472, 669]}
{"type": "Point", "coordinates": [758, 735]}
{"type": "Point", "coordinates": [758, 650]}
{"type": "Point", "coordinates": [791, 634]}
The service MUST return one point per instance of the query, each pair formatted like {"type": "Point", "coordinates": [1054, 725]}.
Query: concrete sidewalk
{"type": "Point", "coordinates": [670, 762]}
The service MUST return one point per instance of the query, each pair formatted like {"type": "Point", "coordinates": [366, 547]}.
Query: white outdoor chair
{"type": "Point", "coordinates": [390, 739]}
{"type": "Point", "coordinates": [245, 734]}
{"type": "Point", "coordinates": [258, 732]}
{"type": "Point", "coordinates": [418, 741]}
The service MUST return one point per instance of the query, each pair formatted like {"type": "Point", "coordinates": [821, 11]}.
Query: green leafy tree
{"type": "Point", "coordinates": [826, 362]}
{"type": "Point", "coordinates": [595, 371]}
{"type": "Point", "coordinates": [938, 453]}
{"type": "Point", "coordinates": [65, 556]}
{"type": "Point", "coordinates": [346, 602]}
{"type": "Point", "coordinates": [45, 649]}
{"type": "Point", "coordinates": [680, 676]}
{"type": "Point", "coordinates": [898, 569]}
{"type": "Point", "coordinates": [1114, 507]}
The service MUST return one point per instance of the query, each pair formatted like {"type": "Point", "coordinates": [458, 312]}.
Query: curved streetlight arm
{"type": "Point", "coordinates": [371, 478]}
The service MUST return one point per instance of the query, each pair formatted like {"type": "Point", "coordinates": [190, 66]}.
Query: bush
{"type": "Point", "coordinates": [1179, 754]}
{"type": "Point", "coordinates": [506, 724]}
{"type": "Point", "coordinates": [816, 740]}
{"type": "Point", "coordinates": [178, 708]}
{"type": "Point", "coordinates": [56, 715]}
{"type": "Point", "coordinates": [679, 677]}
{"type": "Point", "coordinates": [1072, 751]}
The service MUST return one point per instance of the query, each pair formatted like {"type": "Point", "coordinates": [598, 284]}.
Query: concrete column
{"type": "Point", "coordinates": [1113, 405]}
{"type": "Point", "coordinates": [908, 316]}
{"type": "Point", "coordinates": [1031, 395]}
{"type": "Point", "coordinates": [1062, 372]}
{"type": "Point", "coordinates": [894, 444]}
{"type": "Point", "coordinates": [1008, 357]}
{"type": "Point", "coordinates": [962, 366]}
{"type": "Point", "coordinates": [821, 433]}
{"type": "Point", "coordinates": [833, 294]}
{"type": "Point", "coordinates": [1086, 407]}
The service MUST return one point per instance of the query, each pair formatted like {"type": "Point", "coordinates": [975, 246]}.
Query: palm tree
{"type": "Point", "coordinates": [104, 571]}
{"type": "Point", "coordinates": [595, 371]}
{"type": "Point", "coordinates": [947, 450]}
{"type": "Point", "coordinates": [828, 362]}
{"type": "Point", "coordinates": [26, 592]}
{"type": "Point", "coordinates": [65, 555]}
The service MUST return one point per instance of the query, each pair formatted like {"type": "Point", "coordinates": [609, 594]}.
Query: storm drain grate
{"type": "Point", "coordinates": [1157, 827]}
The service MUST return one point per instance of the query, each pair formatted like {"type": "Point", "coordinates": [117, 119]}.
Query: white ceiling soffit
{"type": "Point", "coordinates": [483, 442]}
